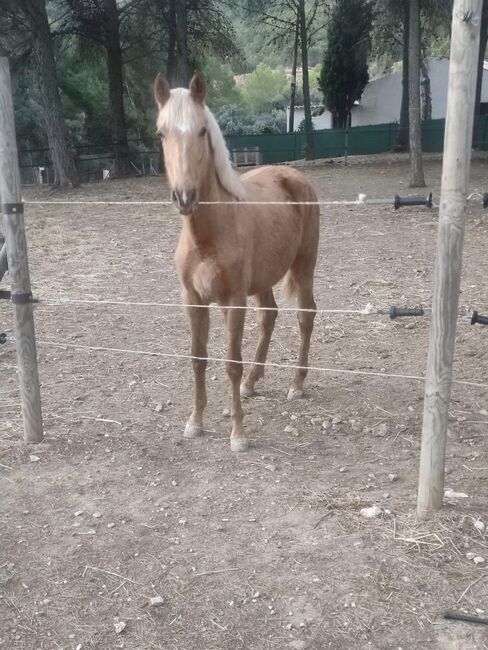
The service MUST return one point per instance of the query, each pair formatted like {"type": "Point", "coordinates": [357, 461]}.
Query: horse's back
{"type": "Point", "coordinates": [277, 183]}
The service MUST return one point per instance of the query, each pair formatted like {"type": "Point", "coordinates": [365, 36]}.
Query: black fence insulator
{"type": "Point", "coordinates": [3, 338]}
{"type": "Point", "coordinates": [468, 618]}
{"type": "Point", "coordinates": [479, 318]}
{"type": "Point", "coordinates": [485, 200]}
{"type": "Point", "coordinates": [413, 200]}
{"type": "Point", "coordinates": [17, 298]}
{"type": "Point", "coordinates": [401, 312]}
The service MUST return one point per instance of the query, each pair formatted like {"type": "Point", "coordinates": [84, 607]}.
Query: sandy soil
{"type": "Point", "coordinates": [262, 550]}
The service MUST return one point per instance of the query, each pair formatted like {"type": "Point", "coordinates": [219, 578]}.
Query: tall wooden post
{"type": "Point", "coordinates": [450, 239]}
{"type": "Point", "coordinates": [17, 263]}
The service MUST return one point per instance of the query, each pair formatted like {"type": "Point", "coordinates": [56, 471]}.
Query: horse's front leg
{"type": "Point", "coordinates": [235, 326]}
{"type": "Point", "coordinates": [199, 323]}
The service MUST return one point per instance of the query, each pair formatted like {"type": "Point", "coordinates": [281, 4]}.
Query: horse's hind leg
{"type": "Point", "coordinates": [305, 300]}
{"type": "Point", "coordinates": [266, 321]}
{"type": "Point", "coordinates": [199, 322]}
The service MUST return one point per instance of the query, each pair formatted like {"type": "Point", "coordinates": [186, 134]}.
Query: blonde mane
{"type": "Point", "coordinates": [180, 113]}
{"type": "Point", "coordinates": [228, 177]}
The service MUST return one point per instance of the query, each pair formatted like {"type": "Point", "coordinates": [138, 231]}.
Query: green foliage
{"type": "Point", "coordinates": [303, 125]}
{"type": "Point", "coordinates": [83, 84]}
{"type": "Point", "coordinates": [345, 70]}
{"type": "Point", "coordinates": [236, 120]}
{"type": "Point", "coordinates": [265, 89]}
{"type": "Point", "coordinates": [221, 87]}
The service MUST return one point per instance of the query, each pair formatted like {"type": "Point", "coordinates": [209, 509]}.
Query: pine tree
{"type": "Point", "coordinates": [344, 71]}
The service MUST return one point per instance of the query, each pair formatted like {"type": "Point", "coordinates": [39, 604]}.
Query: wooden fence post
{"type": "Point", "coordinates": [450, 240]}
{"type": "Point", "coordinates": [18, 267]}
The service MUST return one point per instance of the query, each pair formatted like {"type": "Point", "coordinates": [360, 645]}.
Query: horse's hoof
{"type": "Point", "coordinates": [193, 430]}
{"type": "Point", "coordinates": [239, 444]}
{"type": "Point", "coordinates": [247, 392]}
{"type": "Point", "coordinates": [295, 393]}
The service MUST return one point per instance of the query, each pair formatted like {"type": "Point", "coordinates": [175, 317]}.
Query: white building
{"type": "Point", "coordinates": [382, 98]}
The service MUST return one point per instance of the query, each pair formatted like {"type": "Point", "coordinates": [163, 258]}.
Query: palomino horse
{"type": "Point", "coordinates": [228, 252]}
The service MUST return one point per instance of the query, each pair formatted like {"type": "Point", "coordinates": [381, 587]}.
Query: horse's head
{"type": "Point", "coordinates": [182, 124]}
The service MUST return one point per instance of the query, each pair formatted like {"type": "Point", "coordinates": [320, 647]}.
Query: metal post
{"type": "Point", "coordinates": [450, 239]}
{"type": "Point", "coordinates": [17, 263]}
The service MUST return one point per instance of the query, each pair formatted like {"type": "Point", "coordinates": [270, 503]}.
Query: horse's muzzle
{"type": "Point", "coordinates": [185, 200]}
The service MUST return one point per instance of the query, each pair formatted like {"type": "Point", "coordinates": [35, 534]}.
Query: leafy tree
{"type": "Point", "coordinates": [236, 120]}
{"type": "Point", "coordinates": [345, 70]}
{"type": "Point", "coordinates": [27, 34]}
{"type": "Point", "coordinates": [100, 22]}
{"type": "Point", "coordinates": [265, 89]}
{"type": "Point", "coordinates": [221, 87]}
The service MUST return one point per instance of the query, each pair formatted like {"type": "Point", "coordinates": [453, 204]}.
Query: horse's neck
{"type": "Point", "coordinates": [209, 222]}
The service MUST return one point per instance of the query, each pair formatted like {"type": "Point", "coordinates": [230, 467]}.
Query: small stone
{"type": "Point", "coordinates": [393, 477]}
{"type": "Point", "coordinates": [470, 555]}
{"type": "Point", "coordinates": [111, 525]}
{"type": "Point", "coordinates": [119, 627]}
{"type": "Point", "coordinates": [325, 425]}
{"type": "Point", "coordinates": [271, 468]}
{"type": "Point", "coordinates": [479, 525]}
{"type": "Point", "coordinates": [386, 495]}
{"type": "Point", "coordinates": [156, 601]}
{"type": "Point", "coordinates": [371, 513]}
{"type": "Point", "coordinates": [336, 420]}
{"type": "Point", "coordinates": [182, 521]}
{"type": "Point", "coordinates": [174, 483]}
{"type": "Point", "coordinates": [380, 430]}
{"type": "Point", "coordinates": [169, 402]}
{"type": "Point", "coordinates": [479, 559]}
{"type": "Point", "coordinates": [226, 413]}
{"type": "Point", "coordinates": [316, 421]}
{"type": "Point", "coordinates": [97, 515]}
{"type": "Point", "coordinates": [484, 412]}
{"type": "Point", "coordinates": [342, 469]}
{"type": "Point", "coordinates": [159, 408]}
{"type": "Point", "coordinates": [33, 458]}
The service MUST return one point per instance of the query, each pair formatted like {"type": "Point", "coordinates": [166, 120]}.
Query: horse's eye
{"type": "Point", "coordinates": [202, 132]}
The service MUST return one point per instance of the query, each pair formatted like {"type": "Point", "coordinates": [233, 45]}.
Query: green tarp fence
{"type": "Point", "coordinates": [331, 143]}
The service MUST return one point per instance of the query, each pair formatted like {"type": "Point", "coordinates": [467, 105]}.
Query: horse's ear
{"type": "Point", "coordinates": [198, 89]}
{"type": "Point", "coordinates": [161, 90]}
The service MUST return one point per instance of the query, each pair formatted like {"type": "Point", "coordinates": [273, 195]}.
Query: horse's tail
{"type": "Point", "coordinates": [289, 285]}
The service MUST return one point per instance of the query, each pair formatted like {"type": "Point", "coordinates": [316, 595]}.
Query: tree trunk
{"type": "Point", "coordinates": [116, 88]}
{"type": "Point", "coordinates": [171, 60]}
{"type": "Point", "coordinates": [426, 101]}
{"type": "Point", "coordinates": [61, 153]}
{"type": "Point", "coordinates": [309, 144]}
{"type": "Point", "coordinates": [416, 169]}
{"type": "Point", "coordinates": [178, 67]}
{"type": "Point", "coordinates": [182, 73]}
{"type": "Point", "coordinates": [291, 124]}
{"type": "Point", "coordinates": [479, 81]}
{"type": "Point", "coordinates": [402, 141]}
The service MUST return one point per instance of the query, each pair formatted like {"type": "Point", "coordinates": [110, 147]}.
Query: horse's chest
{"type": "Point", "coordinates": [205, 276]}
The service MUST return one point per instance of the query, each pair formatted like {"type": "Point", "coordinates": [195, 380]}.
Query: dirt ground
{"type": "Point", "coordinates": [264, 550]}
